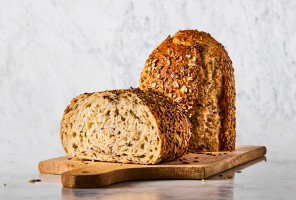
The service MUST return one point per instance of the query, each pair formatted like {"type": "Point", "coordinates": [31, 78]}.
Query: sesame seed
{"type": "Point", "coordinates": [176, 84]}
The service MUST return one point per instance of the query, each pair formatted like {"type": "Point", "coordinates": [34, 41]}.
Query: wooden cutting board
{"type": "Point", "coordinates": [88, 174]}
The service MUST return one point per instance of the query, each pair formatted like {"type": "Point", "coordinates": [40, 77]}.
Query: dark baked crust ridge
{"type": "Point", "coordinates": [168, 58]}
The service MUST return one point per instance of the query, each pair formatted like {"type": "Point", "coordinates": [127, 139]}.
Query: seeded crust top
{"type": "Point", "coordinates": [172, 69]}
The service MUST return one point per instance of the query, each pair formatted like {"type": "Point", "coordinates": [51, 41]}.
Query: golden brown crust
{"type": "Point", "coordinates": [195, 70]}
{"type": "Point", "coordinates": [173, 124]}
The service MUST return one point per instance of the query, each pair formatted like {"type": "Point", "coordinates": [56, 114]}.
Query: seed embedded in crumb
{"type": "Point", "coordinates": [74, 146]}
{"type": "Point", "coordinates": [107, 113]}
{"type": "Point", "coordinates": [239, 171]}
{"type": "Point", "coordinates": [229, 176]}
{"type": "Point", "coordinates": [74, 134]}
{"type": "Point", "coordinates": [116, 112]}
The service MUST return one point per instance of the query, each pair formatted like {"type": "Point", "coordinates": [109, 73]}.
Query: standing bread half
{"type": "Point", "coordinates": [128, 126]}
{"type": "Point", "coordinates": [195, 70]}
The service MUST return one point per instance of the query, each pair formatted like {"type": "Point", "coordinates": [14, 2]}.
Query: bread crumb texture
{"type": "Point", "coordinates": [127, 126]}
{"type": "Point", "coordinates": [195, 70]}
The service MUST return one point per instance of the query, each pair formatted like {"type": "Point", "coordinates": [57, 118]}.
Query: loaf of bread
{"type": "Point", "coordinates": [195, 70]}
{"type": "Point", "coordinates": [128, 126]}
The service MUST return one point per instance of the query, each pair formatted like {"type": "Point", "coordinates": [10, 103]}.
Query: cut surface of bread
{"type": "Point", "coordinates": [128, 126]}
{"type": "Point", "coordinates": [195, 70]}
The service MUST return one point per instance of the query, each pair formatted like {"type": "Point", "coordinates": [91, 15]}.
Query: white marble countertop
{"type": "Point", "coordinates": [259, 179]}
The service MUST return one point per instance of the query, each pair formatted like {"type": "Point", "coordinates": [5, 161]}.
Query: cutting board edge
{"type": "Point", "coordinates": [49, 166]}
{"type": "Point", "coordinates": [73, 178]}
{"type": "Point", "coordinates": [235, 161]}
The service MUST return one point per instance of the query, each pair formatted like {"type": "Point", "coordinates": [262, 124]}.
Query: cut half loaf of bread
{"type": "Point", "coordinates": [128, 126]}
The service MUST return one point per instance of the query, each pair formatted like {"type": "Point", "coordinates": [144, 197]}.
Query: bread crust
{"type": "Point", "coordinates": [195, 70]}
{"type": "Point", "coordinates": [173, 124]}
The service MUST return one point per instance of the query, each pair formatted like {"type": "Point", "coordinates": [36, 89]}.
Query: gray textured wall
{"type": "Point", "coordinates": [52, 51]}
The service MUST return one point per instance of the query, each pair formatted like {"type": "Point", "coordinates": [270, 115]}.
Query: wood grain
{"type": "Point", "coordinates": [88, 174]}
